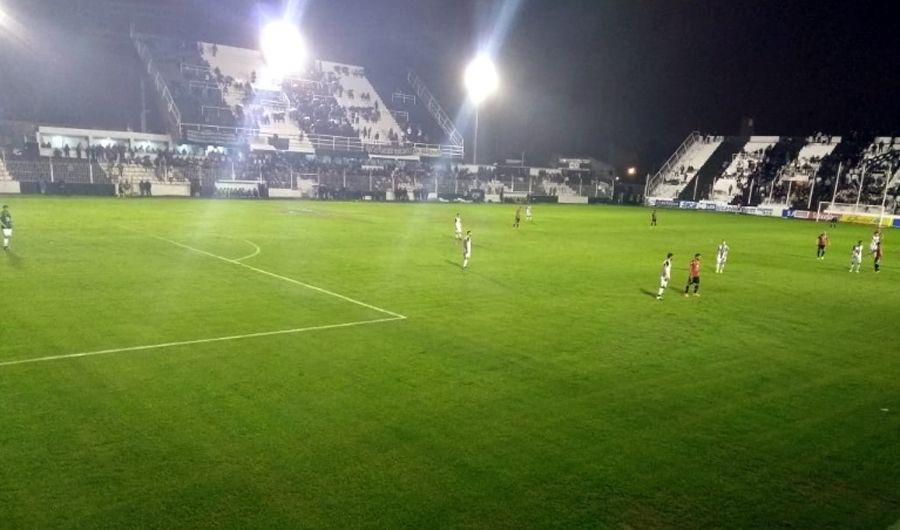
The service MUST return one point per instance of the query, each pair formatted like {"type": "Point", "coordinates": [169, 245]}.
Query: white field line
{"type": "Point", "coordinates": [195, 341]}
{"type": "Point", "coordinates": [392, 316]}
{"type": "Point", "coordinates": [396, 316]}
{"type": "Point", "coordinates": [255, 253]}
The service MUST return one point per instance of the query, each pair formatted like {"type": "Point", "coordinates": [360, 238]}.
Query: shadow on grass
{"type": "Point", "coordinates": [454, 263]}
{"type": "Point", "coordinates": [14, 259]}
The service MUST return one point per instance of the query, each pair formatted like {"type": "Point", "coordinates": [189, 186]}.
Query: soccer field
{"type": "Point", "coordinates": [317, 364]}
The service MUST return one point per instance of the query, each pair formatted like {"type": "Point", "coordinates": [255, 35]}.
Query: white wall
{"type": "Point", "coordinates": [277, 193]}
{"type": "Point", "coordinates": [10, 186]}
{"type": "Point", "coordinates": [175, 189]}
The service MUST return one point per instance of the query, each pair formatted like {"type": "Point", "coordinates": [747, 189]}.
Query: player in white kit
{"type": "Point", "coordinates": [457, 224]}
{"type": "Point", "coordinates": [664, 276]}
{"type": "Point", "coordinates": [467, 249]}
{"type": "Point", "coordinates": [721, 257]}
{"type": "Point", "coordinates": [856, 256]}
{"type": "Point", "coordinates": [876, 238]}
{"type": "Point", "coordinates": [528, 216]}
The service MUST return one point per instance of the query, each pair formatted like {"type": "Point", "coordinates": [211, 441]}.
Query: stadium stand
{"type": "Point", "coordinates": [683, 165]}
{"type": "Point", "coordinates": [783, 171]}
{"type": "Point", "coordinates": [701, 182]}
{"type": "Point", "coordinates": [223, 95]}
{"type": "Point", "coordinates": [326, 132]}
{"type": "Point", "coordinates": [256, 102]}
{"type": "Point", "coordinates": [4, 173]}
{"type": "Point", "coordinates": [368, 114]}
{"type": "Point", "coordinates": [121, 164]}
{"type": "Point", "coordinates": [743, 165]}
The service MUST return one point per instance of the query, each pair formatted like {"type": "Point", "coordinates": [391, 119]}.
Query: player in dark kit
{"type": "Point", "coordinates": [694, 276]}
{"type": "Point", "coordinates": [877, 255]}
{"type": "Point", "coordinates": [6, 225]}
{"type": "Point", "coordinates": [518, 217]}
{"type": "Point", "coordinates": [653, 218]}
{"type": "Point", "coordinates": [822, 242]}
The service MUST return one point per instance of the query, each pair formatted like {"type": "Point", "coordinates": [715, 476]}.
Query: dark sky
{"type": "Point", "coordinates": [620, 80]}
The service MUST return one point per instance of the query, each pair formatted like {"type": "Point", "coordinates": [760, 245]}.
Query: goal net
{"type": "Point", "coordinates": [869, 214]}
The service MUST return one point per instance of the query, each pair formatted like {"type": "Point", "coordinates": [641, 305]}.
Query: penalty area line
{"type": "Point", "coordinates": [196, 341]}
{"type": "Point", "coordinates": [322, 290]}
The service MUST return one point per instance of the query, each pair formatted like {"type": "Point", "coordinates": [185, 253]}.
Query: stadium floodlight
{"type": "Point", "coordinates": [283, 48]}
{"type": "Point", "coordinates": [632, 171]}
{"type": "Point", "coordinates": [481, 78]}
{"type": "Point", "coordinates": [481, 81]}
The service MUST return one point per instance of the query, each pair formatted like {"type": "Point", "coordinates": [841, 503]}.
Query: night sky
{"type": "Point", "coordinates": [623, 81]}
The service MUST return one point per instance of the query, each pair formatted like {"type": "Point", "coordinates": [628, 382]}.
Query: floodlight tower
{"type": "Point", "coordinates": [481, 81]}
{"type": "Point", "coordinates": [283, 48]}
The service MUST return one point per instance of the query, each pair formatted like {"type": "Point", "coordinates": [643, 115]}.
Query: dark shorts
{"type": "Point", "coordinates": [821, 247]}
{"type": "Point", "coordinates": [694, 281]}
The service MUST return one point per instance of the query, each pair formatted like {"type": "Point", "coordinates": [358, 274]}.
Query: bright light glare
{"type": "Point", "coordinates": [283, 48]}
{"type": "Point", "coordinates": [631, 171]}
{"type": "Point", "coordinates": [481, 79]}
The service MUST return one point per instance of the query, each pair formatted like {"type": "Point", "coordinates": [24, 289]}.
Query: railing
{"type": "Point", "coordinates": [193, 68]}
{"type": "Point", "coordinates": [72, 170]}
{"type": "Point", "coordinates": [318, 85]}
{"type": "Point", "coordinates": [652, 182]}
{"type": "Point", "coordinates": [401, 114]}
{"type": "Point", "coordinates": [204, 85]}
{"type": "Point", "coordinates": [158, 80]}
{"type": "Point", "coordinates": [217, 108]}
{"type": "Point", "coordinates": [215, 134]}
{"type": "Point", "coordinates": [218, 134]}
{"type": "Point", "coordinates": [435, 109]}
{"type": "Point", "coordinates": [403, 98]}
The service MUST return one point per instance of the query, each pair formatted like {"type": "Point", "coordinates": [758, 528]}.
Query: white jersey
{"type": "Point", "coordinates": [467, 246]}
{"type": "Point", "coordinates": [876, 238]}
{"type": "Point", "coordinates": [857, 253]}
{"type": "Point", "coordinates": [666, 272]}
{"type": "Point", "coordinates": [528, 211]}
{"type": "Point", "coordinates": [722, 252]}
{"type": "Point", "coordinates": [458, 224]}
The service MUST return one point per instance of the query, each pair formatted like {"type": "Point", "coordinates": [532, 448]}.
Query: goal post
{"type": "Point", "coordinates": [869, 214]}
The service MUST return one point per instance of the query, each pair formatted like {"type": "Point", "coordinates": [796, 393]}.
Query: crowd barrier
{"type": "Point", "coordinates": [771, 211]}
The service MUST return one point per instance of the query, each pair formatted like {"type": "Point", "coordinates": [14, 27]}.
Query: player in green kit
{"type": "Point", "coordinates": [6, 225]}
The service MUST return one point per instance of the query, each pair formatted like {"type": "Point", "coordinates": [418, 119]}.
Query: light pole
{"type": "Point", "coordinates": [475, 142]}
{"type": "Point", "coordinates": [481, 81]}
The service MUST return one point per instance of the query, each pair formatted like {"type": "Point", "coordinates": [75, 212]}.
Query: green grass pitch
{"type": "Point", "coordinates": [543, 387]}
